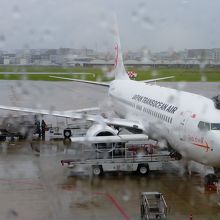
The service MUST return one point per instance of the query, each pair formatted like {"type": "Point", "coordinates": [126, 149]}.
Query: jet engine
{"type": "Point", "coordinates": [102, 130]}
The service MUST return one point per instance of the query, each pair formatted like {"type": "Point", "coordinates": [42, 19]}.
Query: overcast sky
{"type": "Point", "coordinates": [154, 24]}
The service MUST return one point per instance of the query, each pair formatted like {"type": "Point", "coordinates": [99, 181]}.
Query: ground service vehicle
{"type": "Point", "coordinates": [126, 158]}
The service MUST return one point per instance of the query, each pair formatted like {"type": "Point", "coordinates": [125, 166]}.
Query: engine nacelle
{"type": "Point", "coordinates": [102, 130]}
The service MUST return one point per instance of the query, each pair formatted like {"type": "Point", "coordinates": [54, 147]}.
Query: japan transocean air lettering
{"type": "Point", "coordinates": [155, 103]}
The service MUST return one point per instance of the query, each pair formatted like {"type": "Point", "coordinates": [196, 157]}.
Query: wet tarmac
{"type": "Point", "coordinates": [34, 185]}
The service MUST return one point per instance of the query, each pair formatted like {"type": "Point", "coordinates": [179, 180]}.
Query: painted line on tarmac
{"type": "Point", "coordinates": [115, 203]}
{"type": "Point", "coordinates": [106, 195]}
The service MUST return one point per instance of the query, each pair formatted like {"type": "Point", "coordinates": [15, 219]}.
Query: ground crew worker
{"type": "Point", "coordinates": [37, 127]}
{"type": "Point", "coordinates": [43, 129]}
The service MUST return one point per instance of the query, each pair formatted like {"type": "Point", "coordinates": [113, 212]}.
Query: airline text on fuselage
{"type": "Point", "coordinates": [156, 104]}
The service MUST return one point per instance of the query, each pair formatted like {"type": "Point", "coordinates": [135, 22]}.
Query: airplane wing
{"type": "Point", "coordinates": [77, 114]}
{"type": "Point", "coordinates": [83, 110]}
{"type": "Point", "coordinates": [80, 114]}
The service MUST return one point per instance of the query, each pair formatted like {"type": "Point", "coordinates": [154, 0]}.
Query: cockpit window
{"type": "Point", "coordinates": [215, 126]}
{"type": "Point", "coordinates": [204, 126]}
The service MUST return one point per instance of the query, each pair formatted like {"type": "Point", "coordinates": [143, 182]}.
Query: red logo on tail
{"type": "Point", "coordinates": [116, 55]}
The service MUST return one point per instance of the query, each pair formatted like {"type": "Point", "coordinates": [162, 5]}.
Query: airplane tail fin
{"type": "Point", "coordinates": [119, 69]}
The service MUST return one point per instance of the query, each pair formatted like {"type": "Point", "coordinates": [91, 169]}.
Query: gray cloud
{"type": "Point", "coordinates": [155, 24]}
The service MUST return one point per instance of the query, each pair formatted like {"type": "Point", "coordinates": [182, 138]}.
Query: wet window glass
{"type": "Point", "coordinates": [48, 167]}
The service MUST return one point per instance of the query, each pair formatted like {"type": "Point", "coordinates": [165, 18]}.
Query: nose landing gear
{"type": "Point", "coordinates": [211, 182]}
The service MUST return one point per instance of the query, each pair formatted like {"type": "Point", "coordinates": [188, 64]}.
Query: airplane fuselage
{"type": "Point", "coordinates": [188, 122]}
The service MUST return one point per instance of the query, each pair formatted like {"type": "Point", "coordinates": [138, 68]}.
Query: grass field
{"type": "Point", "coordinates": [181, 74]}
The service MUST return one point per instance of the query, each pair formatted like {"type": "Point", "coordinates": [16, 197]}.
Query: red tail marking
{"type": "Point", "coordinates": [116, 55]}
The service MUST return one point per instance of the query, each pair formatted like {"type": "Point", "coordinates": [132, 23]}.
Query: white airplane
{"type": "Point", "coordinates": [189, 123]}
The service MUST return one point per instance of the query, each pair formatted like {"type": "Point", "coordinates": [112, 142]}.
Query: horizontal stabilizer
{"type": "Point", "coordinates": [76, 114]}
{"type": "Point", "coordinates": [157, 79]}
{"type": "Point", "coordinates": [110, 139]}
{"type": "Point", "coordinates": [82, 81]}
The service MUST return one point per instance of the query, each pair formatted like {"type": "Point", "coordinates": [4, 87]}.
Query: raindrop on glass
{"type": "Point", "coordinates": [16, 12]}
{"type": "Point", "coordinates": [154, 73]}
{"type": "Point", "coordinates": [147, 23]}
{"type": "Point", "coordinates": [134, 16]}
{"type": "Point", "coordinates": [185, 2]}
{"type": "Point", "coordinates": [2, 40]}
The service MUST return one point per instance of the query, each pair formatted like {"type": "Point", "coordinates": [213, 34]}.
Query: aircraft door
{"type": "Point", "coordinates": [184, 119]}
